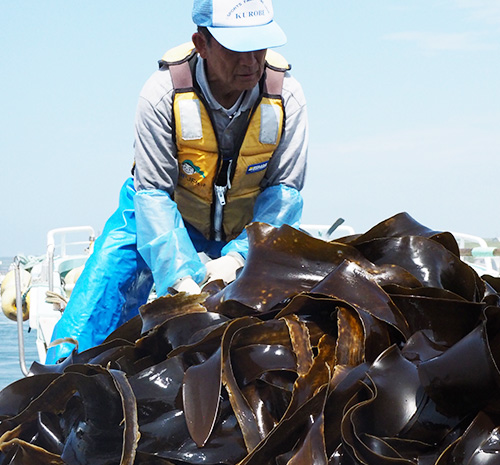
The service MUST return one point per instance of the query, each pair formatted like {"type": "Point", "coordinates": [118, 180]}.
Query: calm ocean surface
{"type": "Point", "coordinates": [10, 370]}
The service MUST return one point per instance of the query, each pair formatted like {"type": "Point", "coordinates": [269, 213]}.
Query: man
{"type": "Point", "coordinates": [221, 141]}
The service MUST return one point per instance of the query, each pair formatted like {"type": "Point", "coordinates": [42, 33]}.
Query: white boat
{"type": "Point", "coordinates": [50, 283]}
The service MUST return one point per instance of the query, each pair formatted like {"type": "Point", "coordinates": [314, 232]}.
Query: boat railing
{"type": "Point", "coordinates": [19, 309]}
{"type": "Point", "coordinates": [64, 245]}
{"type": "Point", "coordinates": [476, 252]}
{"type": "Point", "coordinates": [67, 249]}
{"type": "Point", "coordinates": [326, 232]}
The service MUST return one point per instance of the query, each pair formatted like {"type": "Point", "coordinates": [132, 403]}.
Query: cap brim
{"type": "Point", "coordinates": [250, 38]}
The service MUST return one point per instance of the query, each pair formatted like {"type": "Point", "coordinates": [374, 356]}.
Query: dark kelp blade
{"type": "Point", "coordinates": [17, 396]}
{"type": "Point", "coordinates": [431, 263]}
{"type": "Point", "coordinates": [403, 224]}
{"type": "Point", "coordinates": [170, 306]}
{"type": "Point", "coordinates": [419, 347]}
{"type": "Point", "coordinates": [288, 431]}
{"type": "Point", "coordinates": [397, 396]}
{"type": "Point", "coordinates": [351, 283]}
{"type": "Point", "coordinates": [190, 328]}
{"type": "Point", "coordinates": [342, 389]}
{"type": "Point", "coordinates": [26, 453]}
{"type": "Point", "coordinates": [469, 447]}
{"type": "Point", "coordinates": [158, 390]}
{"type": "Point", "coordinates": [242, 410]}
{"type": "Point", "coordinates": [131, 433]}
{"type": "Point", "coordinates": [201, 392]}
{"type": "Point", "coordinates": [466, 376]}
{"type": "Point", "coordinates": [390, 274]}
{"type": "Point", "coordinates": [95, 438]}
{"type": "Point", "coordinates": [308, 384]}
{"type": "Point", "coordinates": [104, 353]}
{"type": "Point", "coordinates": [96, 394]}
{"type": "Point", "coordinates": [312, 450]}
{"type": "Point", "coordinates": [263, 332]}
{"type": "Point", "coordinates": [224, 447]}
{"type": "Point", "coordinates": [305, 389]}
{"type": "Point", "coordinates": [444, 321]}
{"type": "Point", "coordinates": [359, 445]}
{"type": "Point", "coordinates": [301, 343]}
{"type": "Point", "coordinates": [128, 331]}
{"type": "Point", "coordinates": [164, 432]}
{"type": "Point", "coordinates": [151, 459]}
{"type": "Point", "coordinates": [281, 263]}
{"type": "Point", "coordinates": [378, 335]}
{"type": "Point", "coordinates": [252, 361]}
{"type": "Point", "coordinates": [350, 341]}
{"type": "Point", "coordinates": [53, 399]}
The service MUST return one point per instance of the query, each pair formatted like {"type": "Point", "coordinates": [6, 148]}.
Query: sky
{"type": "Point", "coordinates": [403, 103]}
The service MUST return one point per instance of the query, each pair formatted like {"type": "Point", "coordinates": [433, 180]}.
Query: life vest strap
{"type": "Point", "coordinates": [181, 76]}
{"type": "Point", "coordinates": [274, 82]}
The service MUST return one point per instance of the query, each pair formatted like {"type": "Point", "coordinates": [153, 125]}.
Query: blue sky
{"type": "Point", "coordinates": [403, 98]}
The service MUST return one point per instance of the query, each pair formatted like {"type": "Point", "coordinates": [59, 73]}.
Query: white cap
{"type": "Point", "coordinates": [240, 25]}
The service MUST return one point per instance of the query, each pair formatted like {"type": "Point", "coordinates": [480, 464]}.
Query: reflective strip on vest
{"type": "Point", "coordinates": [269, 123]}
{"type": "Point", "coordinates": [190, 119]}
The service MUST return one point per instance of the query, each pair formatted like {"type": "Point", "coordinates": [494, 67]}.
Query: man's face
{"type": "Point", "coordinates": [228, 71]}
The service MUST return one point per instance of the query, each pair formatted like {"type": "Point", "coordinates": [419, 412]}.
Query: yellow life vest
{"type": "Point", "coordinates": [201, 165]}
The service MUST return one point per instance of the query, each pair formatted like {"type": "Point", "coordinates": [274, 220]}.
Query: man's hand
{"type": "Point", "coordinates": [224, 267]}
{"type": "Point", "coordinates": [188, 285]}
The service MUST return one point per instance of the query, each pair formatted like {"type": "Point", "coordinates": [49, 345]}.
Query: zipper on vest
{"type": "Point", "coordinates": [220, 195]}
{"type": "Point", "coordinates": [219, 191]}
{"type": "Point", "coordinates": [227, 170]}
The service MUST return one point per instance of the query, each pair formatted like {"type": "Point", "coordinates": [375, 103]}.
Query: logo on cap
{"type": "Point", "coordinates": [231, 13]}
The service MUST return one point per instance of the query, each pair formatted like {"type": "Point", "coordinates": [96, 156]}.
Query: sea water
{"type": "Point", "coordinates": [10, 368]}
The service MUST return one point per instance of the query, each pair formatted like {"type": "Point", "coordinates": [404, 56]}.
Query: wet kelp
{"type": "Point", "coordinates": [381, 348]}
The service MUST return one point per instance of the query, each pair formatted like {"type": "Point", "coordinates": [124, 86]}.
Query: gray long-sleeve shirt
{"type": "Point", "coordinates": [155, 149]}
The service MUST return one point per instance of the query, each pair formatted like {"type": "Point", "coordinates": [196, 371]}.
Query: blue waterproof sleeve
{"type": "Point", "coordinates": [163, 241]}
{"type": "Point", "coordinates": [276, 205]}
{"type": "Point", "coordinates": [113, 285]}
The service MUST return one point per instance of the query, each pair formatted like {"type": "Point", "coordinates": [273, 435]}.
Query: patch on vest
{"type": "Point", "coordinates": [257, 167]}
{"type": "Point", "coordinates": [190, 168]}
{"type": "Point", "coordinates": [269, 123]}
{"type": "Point", "coordinates": [190, 116]}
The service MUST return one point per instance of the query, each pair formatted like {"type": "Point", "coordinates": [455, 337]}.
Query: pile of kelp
{"type": "Point", "coordinates": [377, 349]}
